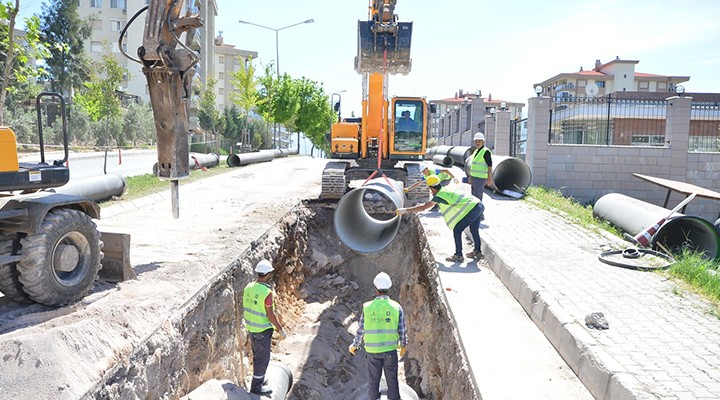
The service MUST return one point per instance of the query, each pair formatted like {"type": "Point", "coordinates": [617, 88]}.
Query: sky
{"type": "Point", "coordinates": [500, 47]}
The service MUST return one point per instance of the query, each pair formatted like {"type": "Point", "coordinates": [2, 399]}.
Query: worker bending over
{"type": "Point", "coordinates": [460, 210]}
{"type": "Point", "coordinates": [382, 328]}
{"type": "Point", "coordinates": [444, 174]}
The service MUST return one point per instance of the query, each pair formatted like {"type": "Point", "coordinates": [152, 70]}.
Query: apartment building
{"type": "Point", "coordinates": [111, 16]}
{"type": "Point", "coordinates": [614, 76]}
{"type": "Point", "coordinates": [228, 59]}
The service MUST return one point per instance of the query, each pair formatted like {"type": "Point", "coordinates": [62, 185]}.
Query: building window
{"type": "Point", "coordinates": [118, 4]}
{"type": "Point", "coordinates": [96, 3]}
{"type": "Point", "coordinates": [662, 85]}
{"type": "Point", "coordinates": [221, 91]}
{"type": "Point", "coordinates": [647, 140]}
{"type": "Point", "coordinates": [600, 83]}
{"type": "Point", "coordinates": [221, 75]}
{"type": "Point", "coordinates": [221, 59]}
{"type": "Point", "coordinates": [96, 46]}
{"type": "Point", "coordinates": [643, 85]}
{"type": "Point", "coordinates": [116, 25]}
{"type": "Point", "coordinates": [582, 83]}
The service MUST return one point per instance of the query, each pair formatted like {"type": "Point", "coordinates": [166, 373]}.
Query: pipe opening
{"type": "Point", "coordinates": [511, 174]}
{"type": "Point", "coordinates": [688, 233]}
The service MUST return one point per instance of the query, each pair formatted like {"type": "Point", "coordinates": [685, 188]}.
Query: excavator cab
{"type": "Point", "coordinates": [34, 176]}
{"type": "Point", "coordinates": [383, 42]}
{"type": "Point", "coordinates": [408, 130]}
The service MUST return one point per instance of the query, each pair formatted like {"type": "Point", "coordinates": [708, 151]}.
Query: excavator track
{"type": "Point", "coordinates": [334, 183]}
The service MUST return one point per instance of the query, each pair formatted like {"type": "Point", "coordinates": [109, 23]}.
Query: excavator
{"type": "Point", "coordinates": [51, 251]}
{"type": "Point", "coordinates": [390, 134]}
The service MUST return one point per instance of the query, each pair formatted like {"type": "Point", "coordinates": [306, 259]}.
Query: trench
{"type": "Point", "coordinates": [321, 285]}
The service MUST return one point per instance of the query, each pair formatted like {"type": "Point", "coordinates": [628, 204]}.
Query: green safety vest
{"type": "Point", "coordinates": [381, 318]}
{"type": "Point", "coordinates": [256, 318]}
{"type": "Point", "coordinates": [478, 167]}
{"type": "Point", "coordinates": [459, 205]}
{"type": "Point", "coordinates": [443, 176]}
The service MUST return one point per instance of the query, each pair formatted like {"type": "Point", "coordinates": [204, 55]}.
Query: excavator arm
{"type": "Point", "coordinates": [168, 56]}
{"type": "Point", "coordinates": [383, 42]}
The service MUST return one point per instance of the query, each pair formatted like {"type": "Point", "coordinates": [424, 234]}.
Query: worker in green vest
{"type": "Point", "coordinates": [261, 321]}
{"type": "Point", "coordinates": [460, 210]}
{"type": "Point", "coordinates": [479, 167]}
{"type": "Point", "coordinates": [382, 328]}
{"type": "Point", "coordinates": [445, 176]}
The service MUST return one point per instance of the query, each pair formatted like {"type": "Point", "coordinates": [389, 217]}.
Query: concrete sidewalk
{"type": "Point", "coordinates": [660, 344]}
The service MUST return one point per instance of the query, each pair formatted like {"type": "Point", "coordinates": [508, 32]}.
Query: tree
{"type": "Point", "coordinates": [247, 96]}
{"type": "Point", "coordinates": [16, 53]}
{"type": "Point", "coordinates": [67, 64]}
{"type": "Point", "coordinates": [99, 99]}
{"type": "Point", "coordinates": [315, 114]}
{"type": "Point", "coordinates": [208, 113]}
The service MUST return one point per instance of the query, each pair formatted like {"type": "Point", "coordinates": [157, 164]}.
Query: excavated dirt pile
{"type": "Point", "coordinates": [320, 286]}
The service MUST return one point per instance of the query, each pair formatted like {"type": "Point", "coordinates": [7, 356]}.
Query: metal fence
{"type": "Point", "coordinates": [608, 120]}
{"type": "Point", "coordinates": [704, 127]}
{"type": "Point", "coordinates": [518, 138]}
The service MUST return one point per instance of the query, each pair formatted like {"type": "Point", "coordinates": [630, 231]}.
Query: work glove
{"type": "Point", "coordinates": [456, 181]}
{"type": "Point", "coordinates": [282, 333]}
{"type": "Point", "coordinates": [406, 190]}
{"type": "Point", "coordinates": [401, 211]}
{"type": "Point", "coordinates": [352, 349]}
{"type": "Point", "coordinates": [403, 350]}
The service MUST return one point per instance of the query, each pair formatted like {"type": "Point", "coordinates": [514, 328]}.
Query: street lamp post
{"type": "Point", "coordinates": [277, 62]}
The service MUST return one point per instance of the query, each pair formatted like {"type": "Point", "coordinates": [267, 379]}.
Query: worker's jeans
{"type": "Point", "coordinates": [472, 220]}
{"type": "Point", "coordinates": [476, 187]}
{"type": "Point", "coordinates": [377, 363]}
{"type": "Point", "coordinates": [261, 357]}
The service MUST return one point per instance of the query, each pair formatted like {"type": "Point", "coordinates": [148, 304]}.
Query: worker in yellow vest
{"type": "Point", "coordinates": [382, 328]}
{"type": "Point", "coordinates": [445, 176]}
{"type": "Point", "coordinates": [460, 210]}
{"type": "Point", "coordinates": [261, 321]}
{"type": "Point", "coordinates": [479, 167]}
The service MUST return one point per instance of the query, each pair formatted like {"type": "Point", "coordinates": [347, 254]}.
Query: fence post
{"type": "Point", "coordinates": [677, 135]}
{"type": "Point", "coordinates": [490, 131]}
{"type": "Point", "coordinates": [502, 133]}
{"type": "Point", "coordinates": [538, 125]}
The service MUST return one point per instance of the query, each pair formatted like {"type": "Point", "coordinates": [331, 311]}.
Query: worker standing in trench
{"type": "Point", "coordinates": [260, 319]}
{"type": "Point", "coordinates": [382, 328]}
{"type": "Point", "coordinates": [459, 210]}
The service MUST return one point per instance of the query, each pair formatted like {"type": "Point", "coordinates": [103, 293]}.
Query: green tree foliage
{"type": "Point", "coordinates": [208, 113]}
{"type": "Point", "coordinates": [139, 124]}
{"type": "Point", "coordinates": [16, 55]}
{"type": "Point", "coordinates": [99, 99]}
{"type": "Point", "coordinates": [67, 64]}
{"type": "Point", "coordinates": [315, 114]}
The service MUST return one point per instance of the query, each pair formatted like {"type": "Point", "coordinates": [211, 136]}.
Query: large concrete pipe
{"type": "Point", "coordinates": [293, 151]}
{"type": "Point", "coordinates": [406, 392]}
{"type": "Point", "coordinates": [511, 173]}
{"type": "Point", "coordinates": [459, 154]}
{"type": "Point", "coordinates": [238, 160]}
{"type": "Point", "coordinates": [445, 161]}
{"type": "Point", "coordinates": [688, 232]}
{"type": "Point", "coordinates": [360, 231]}
{"type": "Point", "coordinates": [279, 379]}
{"type": "Point", "coordinates": [627, 213]}
{"type": "Point", "coordinates": [98, 188]}
{"type": "Point", "coordinates": [200, 160]}
{"type": "Point", "coordinates": [680, 231]}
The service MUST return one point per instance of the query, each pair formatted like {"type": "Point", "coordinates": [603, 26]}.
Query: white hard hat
{"type": "Point", "coordinates": [382, 281]}
{"type": "Point", "coordinates": [264, 267]}
{"type": "Point", "coordinates": [479, 136]}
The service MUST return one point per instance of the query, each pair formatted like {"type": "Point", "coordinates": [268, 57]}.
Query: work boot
{"type": "Point", "coordinates": [476, 254]}
{"type": "Point", "coordinates": [264, 390]}
{"type": "Point", "coordinates": [455, 258]}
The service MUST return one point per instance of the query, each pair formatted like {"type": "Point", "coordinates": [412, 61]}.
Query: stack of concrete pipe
{"type": "Point", "coordinates": [509, 173]}
{"type": "Point", "coordinates": [679, 231]}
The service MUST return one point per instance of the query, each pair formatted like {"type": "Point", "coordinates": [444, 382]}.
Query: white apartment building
{"type": "Point", "coordinates": [614, 76]}
{"type": "Point", "coordinates": [227, 59]}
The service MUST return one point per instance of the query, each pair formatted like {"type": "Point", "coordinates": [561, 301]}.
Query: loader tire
{"type": "Point", "coordinates": [61, 260]}
{"type": "Point", "coordinates": [10, 285]}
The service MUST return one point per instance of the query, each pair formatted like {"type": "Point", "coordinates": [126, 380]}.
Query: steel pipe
{"type": "Point", "coordinates": [445, 161]}
{"type": "Point", "coordinates": [99, 188]}
{"type": "Point", "coordinates": [688, 232]}
{"type": "Point", "coordinates": [354, 225]}
{"type": "Point", "coordinates": [629, 214]}
{"type": "Point", "coordinates": [511, 173]}
{"type": "Point", "coordinates": [238, 160]}
{"type": "Point", "coordinates": [406, 392]}
{"type": "Point", "coordinates": [280, 380]}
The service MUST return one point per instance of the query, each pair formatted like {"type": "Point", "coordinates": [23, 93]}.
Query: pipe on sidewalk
{"type": "Point", "coordinates": [445, 161]}
{"type": "Point", "coordinates": [356, 228]}
{"type": "Point", "coordinates": [406, 392]}
{"type": "Point", "coordinates": [511, 173]}
{"type": "Point", "coordinates": [98, 188]}
{"type": "Point", "coordinates": [679, 231]}
{"type": "Point", "coordinates": [238, 160]}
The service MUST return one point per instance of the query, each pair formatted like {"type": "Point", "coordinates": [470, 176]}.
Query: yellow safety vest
{"type": "Point", "coordinates": [478, 166]}
{"type": "Point", "coordinates": [381, 318]}
{"type": "Point", "coordinates": [457, 207]}
{"type": "Point", "coordinates": [256, 318]}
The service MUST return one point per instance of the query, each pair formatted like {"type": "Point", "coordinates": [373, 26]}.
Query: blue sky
{"type": "Point", "coordinates": [499, 47]}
